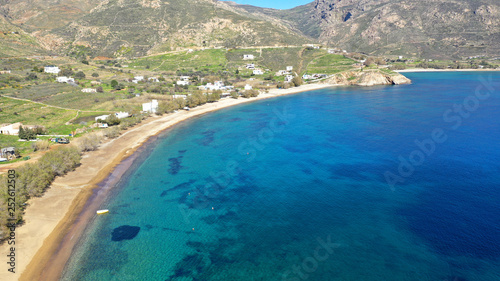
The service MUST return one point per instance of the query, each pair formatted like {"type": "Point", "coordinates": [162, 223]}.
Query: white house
{"type": "Point", "coordinates": [182, 83]}
{"type": "Point", "coordinates": [217, 85]}
{"type": "Point", "coordinates": [51, 69]}
{"type": "Point", "coordinates": [248, 57]}
{"type": "Point", "coordinates": [289, 78]}
{"type": "Point", "coordinates": [138, 79]}
{"type": "Point", "coordinates": [289, 68]}
{"type": "Point", "coordinates": [12, 129]}
{"type": "Point", "coordinates": [89, 90]}
{"type": "Point", "coordinates": [102, 117]}
{"type": "Point", "coordinates": [64, 79]}
{"type": "Point", "coordinates": [250, 66]}
{"type": "Point", "coordinates": [248, 87]}
{"type": "Point", "coordinates": [150, 106]}
{"type": "Point", "coordinates": [306, 77]}
{"type": "Point", "coordinates": [282, 72]}
{"type": "Point", "coordinates": [121, 115]}
{"type": "Point", "coordinates": [179, 96]}
{"type": "Point", "coordinates": [258, 72]}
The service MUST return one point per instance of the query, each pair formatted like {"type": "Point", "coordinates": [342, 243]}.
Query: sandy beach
{"type": "Point", "coordinates": [49, 219]}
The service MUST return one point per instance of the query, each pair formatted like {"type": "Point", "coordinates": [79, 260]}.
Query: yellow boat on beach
{"type": "Point", "coordinates": [100, 212]}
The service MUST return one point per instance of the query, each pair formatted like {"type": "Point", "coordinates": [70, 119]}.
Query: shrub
{"type": "Point", "coordinates": [112, 120]}
{"type": "Point", "coordinates": [41, 145]}
{"type": "Point", "coordinates": [33, 178]}
{"type": "Point", "coordinates": [89, 142]}
{"type": "Point", "coordinates": [80, 75]}
{"type": "Point", "coordinates": [112, 132]}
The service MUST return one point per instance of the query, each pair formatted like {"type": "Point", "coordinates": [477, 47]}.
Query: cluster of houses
{"type": "Point", "coordinates": [217, 85]}
{"type": "Point", "coordinates": [138, 79]}
{"type": "Point", "coordinates": [5, 71]}
{"type": "Point", "coordinates": [313, 76]}
{"type": "Point", "coordinates": [288, 71]}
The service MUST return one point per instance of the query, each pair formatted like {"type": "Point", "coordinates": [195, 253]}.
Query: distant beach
{"type": "Point", "coordinates": [49, 218]}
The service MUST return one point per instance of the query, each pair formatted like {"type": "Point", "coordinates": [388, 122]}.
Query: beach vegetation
{"type": "Point", "coordinates": [235, 94]}
{"type": "Point", "coordinates": [32, 179]}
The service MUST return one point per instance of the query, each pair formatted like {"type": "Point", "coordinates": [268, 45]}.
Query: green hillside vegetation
{"type": "Point", "coordinates": [210, 60]}
{"type": "Point", "coordinates": [330, 64]}
{"type": "Point", "coordinates": [29, 113]}
{"type": "Point", "coordinates": [229, 60]}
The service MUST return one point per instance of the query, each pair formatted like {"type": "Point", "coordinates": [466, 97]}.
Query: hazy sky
{"type": "Point", "coordinates": [277, 4]}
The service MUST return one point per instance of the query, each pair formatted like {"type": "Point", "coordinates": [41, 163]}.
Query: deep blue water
{"type": "Point", "coordinates": [295, 188]}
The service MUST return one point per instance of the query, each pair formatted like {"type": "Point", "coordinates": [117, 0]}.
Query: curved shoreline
{"type": "Point", "coordinates": [50, 218]}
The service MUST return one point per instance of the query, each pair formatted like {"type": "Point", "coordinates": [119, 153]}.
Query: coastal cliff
{"type": "Point", "coordinates": [367, 78]}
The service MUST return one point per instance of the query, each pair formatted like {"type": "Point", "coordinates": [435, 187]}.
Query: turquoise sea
{"type": "Point", "coordinates": [349, 183]}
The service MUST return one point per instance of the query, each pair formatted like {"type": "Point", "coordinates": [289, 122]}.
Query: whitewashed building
{"type": "Point", "coordinates": [138, 79]}
{"type": "Point", "coordinates": [64, 79]}
{"type": "Point", "coordinates": [289, 68]}
{"type": "Point", "coordinates": [248, 57]}
{"type": "Point", "coordinates": [179, 96]}
{"type": "Point", "coordinates": [250, 66]}
{"type": "Point", "coordinates": [121, 115]}
{"type": "Point", "coordinates": [102, 117]}
{"type": "Point", "coordinates": [282, 72]}
{"type": "Point", "coordinates": [151, 107]}
{"type": "Point", "coordinates": [288, 78]}
{"type": "Point", "coordinates": [51, 69]}
{"type": "Point", "coordinates": [182, 83]}
{"type": "Point", "coordinates": [89, 90]}
{"type": "Point", "coordinates": [248, 87]}
{"type": "Point", "coordinates": [258, 72]}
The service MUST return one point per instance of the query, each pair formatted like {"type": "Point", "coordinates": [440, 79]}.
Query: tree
{"type": "Point", "coordinates": [67, 72]}
{"type": "Point", "coordinates": [95, 74]}
{"type": "Point", "coordinates": [99, 89]}
{"type": "Point", "coordinates": [114, 83]}
{"type": "Point", "coordinates": [85, 62]}
{"type": "Point", "coordinates": [297, 81]}
{"type": "Point", "coordinates": [80, 75]}
{"type": "Point", "coordinates": [31, 76]}
{"type": "Point", "coordinates": [119, 87]}
{"type": "Point", "coordinates": [112, 120]}
{"type": "Point", "coordinates": [235, 94]}
{"type": "Point", "coordinates": [21, 134]}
